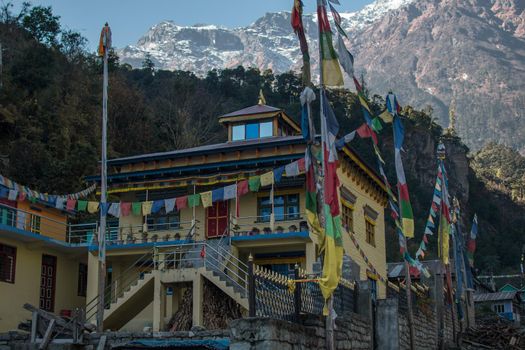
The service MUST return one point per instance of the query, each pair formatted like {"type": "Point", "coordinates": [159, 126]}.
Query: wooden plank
{"type": "Point", "coordinates": [47, 336]}
{"type": "Point", "coordinates": [58, 320]}
{"type": "Point", "coordinates": [34, 326]}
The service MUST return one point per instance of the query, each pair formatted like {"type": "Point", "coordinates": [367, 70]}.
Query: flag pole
{"type": "Point", "coordinates": [105, 44]}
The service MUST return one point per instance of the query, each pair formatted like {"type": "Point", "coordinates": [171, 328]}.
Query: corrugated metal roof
{"type": "Point", "coordinates": [494, 296]}
{"type": "Point", "coordinates": [257, 109]}
{"type": "Point", "coordinates": [217, 147]}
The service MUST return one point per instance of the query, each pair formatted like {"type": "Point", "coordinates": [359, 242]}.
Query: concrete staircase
{"type": "Point", "coordinates": [138, 295]}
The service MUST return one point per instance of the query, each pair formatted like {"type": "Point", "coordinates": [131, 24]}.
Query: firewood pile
{"type": "Point", "coordinates": [496, 333]}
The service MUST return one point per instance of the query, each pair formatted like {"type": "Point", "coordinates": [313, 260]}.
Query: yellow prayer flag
{"type": "Point", "coordinates": [267, 179]}
{"type": "Point", "coordinates": [386, 116]}
{"type": "Point", "coordinates": [206, 199]}
{"type": "Point", "coordinates": [92, 207]}
{"type": "Point", "coordinates": [146, 207]}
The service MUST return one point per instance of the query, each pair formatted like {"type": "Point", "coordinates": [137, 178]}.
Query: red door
{"type": "Point", "coordinates": [47, 282]}
{"type": "Point", "coordinates": [217, 219]}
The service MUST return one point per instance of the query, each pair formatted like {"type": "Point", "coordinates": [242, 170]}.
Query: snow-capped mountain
{"type": "Point", "coordinates": [268, 43]}
{"type": "Point", "coordinates": [468, 54]}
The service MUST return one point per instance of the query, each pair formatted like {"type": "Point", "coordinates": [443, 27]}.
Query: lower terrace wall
{"type": "Point", "coordinates": [352, 332]}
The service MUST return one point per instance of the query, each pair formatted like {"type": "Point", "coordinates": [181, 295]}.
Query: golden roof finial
{"type": "Point", "coordinates": [262, 100]}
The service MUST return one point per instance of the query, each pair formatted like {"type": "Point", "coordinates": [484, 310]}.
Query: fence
{"type": "Point", "coordinates": [275, 296]}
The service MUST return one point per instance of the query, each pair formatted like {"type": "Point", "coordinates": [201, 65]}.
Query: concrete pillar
{"type": "Point", "coordinates": [310, 257]}
{"type": "Point", "coordinates": [92, 280]}
{"type": "Point", "coordinates": [198, 300]}
{"type": "Point", "coordinates": [387, 324]}
{"type": "Point", "coordinates": [159, 303]}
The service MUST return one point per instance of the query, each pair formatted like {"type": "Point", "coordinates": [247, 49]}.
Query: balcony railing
{"type": "Point", "coordinates": [261, 225]}
{"type": "Point", "coordinates": [87, 233]}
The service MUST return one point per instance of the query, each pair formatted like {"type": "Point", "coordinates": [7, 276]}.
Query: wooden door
{"type": "Point", "coordinates": [217, 219]}
{"type": "Point", "coordinates": [47, 282]}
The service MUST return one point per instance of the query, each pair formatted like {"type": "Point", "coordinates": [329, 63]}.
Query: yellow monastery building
{"type": "Point", "coordinates": [152, 260]}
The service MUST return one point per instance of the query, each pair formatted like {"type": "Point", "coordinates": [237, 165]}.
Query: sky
{"type": "Point", "coordinates": [130, 19]}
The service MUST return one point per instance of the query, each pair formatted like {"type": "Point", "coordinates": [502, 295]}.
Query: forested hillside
{"type": "Point", "coordinates": [50, 111]}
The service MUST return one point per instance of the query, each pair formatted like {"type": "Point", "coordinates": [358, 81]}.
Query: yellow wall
{"type": "Point", "coordinates": [26, 288]}
{"type": "Point", "coordinates": [52, 223]}
{"type": "Point", "coordinates": [377, 254]}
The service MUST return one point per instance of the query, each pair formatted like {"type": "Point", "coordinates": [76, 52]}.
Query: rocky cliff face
{"type": "Point", "coordinates": [466, 53]}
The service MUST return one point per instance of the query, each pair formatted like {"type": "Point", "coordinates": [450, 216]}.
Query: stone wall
{"type": "Point", "coordinates": [352, 332]}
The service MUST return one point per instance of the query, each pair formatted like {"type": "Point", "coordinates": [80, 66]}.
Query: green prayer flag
{"type": "Point", "coordinates": [136, 208]}
{"type": "Point", "coordinates": [376, 125]}
{"type": "Point", "coordinates": [254, 183]}
{"type": "Point", "coordinates": [194, 200]}
{"type": "Point", "coordinates": [82, 205]}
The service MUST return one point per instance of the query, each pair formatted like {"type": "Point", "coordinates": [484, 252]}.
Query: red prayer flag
{"type": "Point", "coordinates": [242, 188]}
{"type": "Point", "coordinates": [301, 164]}
{"type": "Point", "coordinates": [125, 208]}
{"type": "Point", "coordinates": [181, 202]}
{"type": "Point", "coordinates": [70, 204]}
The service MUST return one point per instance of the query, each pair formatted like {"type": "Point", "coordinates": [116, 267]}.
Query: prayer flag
{"type": "Point", "coordinates": [254, 183]}
{"type": "Point", "coordinates": [12, 194]}
{"type": "Point", "coordinates": [194, 200]}
{"type": "Point", "coordinates": [333, 245]}
{"type": "Point", "coordinates": [92, 207]}
{"type": "Point", "coordinates": [206, 198]}
{"type": "Point", "coordinates": [169, 205]}
{"type": "Point", "coordinates": [104, 208]}
{"type": "Point", "coordinates": [230, 192]}
{"type": "Point", "coordinates": [70, 204]}
{"type": "Point", "coordinates": [217, 194]}
{"type": "Point", "coordinates": [307, 125]}
{"type": "Point", "coordinates": [146, 207]}
{"type": "Point", "coordinates": [331, 72]}
{"type": "Point", "coordinates": [157, 206]}
{"type": "Point", "coordinates": [81, 205]}
{"type": "Point", "coordinates": [136, 208]}
{"type": "Point", "coordinates": [345, 57]}
{"type": "Point", "coordinates": [292, 169]}
{"type": "Point", "coordinates": [125, 208]}
{"type": "Point", "coordinates": [182, 202]}
{"type": "Point", "coordinates": [22, 196]}
{"type": "Point", "coordinates": [301, 164]}
{"type": "Point", "coordinates": [297, 25]}
{"type": "Point", "coordinates": [242, 188]}
{"type": "Point", "coordinates": [267, 179]}
{"type": "Point", "coordinates": [105, 40]}
{"type": "Point", "coordinates": [114, 209]}
{"type": "Point", "coordinates": [278, 174]}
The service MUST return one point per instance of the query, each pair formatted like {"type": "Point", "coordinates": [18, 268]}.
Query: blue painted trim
{"type": "Point", "coordinates": [29, 234]}
{"type": "Point", "coordinates": [194, 168]}
{"type": "Point", "coordinates": [301, 234]}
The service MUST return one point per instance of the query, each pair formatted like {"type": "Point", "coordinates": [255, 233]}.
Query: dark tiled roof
{"type": "Point", "coordinates": [218, 147]}
{"type": "Point", "coordinates": [257, 109]}
{"type": "Point", "coordinates": [494, 296]}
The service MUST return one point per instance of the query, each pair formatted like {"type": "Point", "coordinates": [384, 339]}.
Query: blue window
{"type": "Point", "coordinates": [285, 207]}
{"type": "Point", "coordinates": [238, 133]}
{"type": "Point", "coordinates": [266, 129]}
{"type": "Point", "coordinates": [252, 131]}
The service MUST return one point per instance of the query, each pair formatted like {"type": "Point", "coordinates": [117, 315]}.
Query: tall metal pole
{"type": "Point", "coordinates": [103, 188]}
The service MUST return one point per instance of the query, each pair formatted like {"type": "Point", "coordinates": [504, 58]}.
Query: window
{"type": "Point", "coordinates": [499, 308]}
{"type": "Point", "coordinates": [82, 280]}
{"type": "Point", "coordinates": [287, 270]}
{"type": "Point", "coordinates": [348, 217]}
{"type": "Point", "coordinates": [285, 207]}
{"type": "Point", "coordinates": [373, 288]}
{"type": "Point", "coordinates": [370, 232]}
{"type": "Point", "coordinates": [34, 223]}
{"type": "Point", "coordinates": [252, 131]}
{"type": "Point", "coordinates": [266, 129]}
{"type": "Point", "coordinates": [7, 263]}
{"type": "Point", "coordinates": [238, 132]}
{"type": "Point", "coordinates": [162, 221]}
